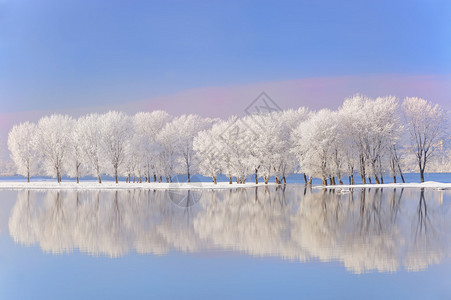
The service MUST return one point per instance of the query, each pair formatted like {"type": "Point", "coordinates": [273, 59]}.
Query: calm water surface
{"type": "Point", "coordinates": [256, 242]}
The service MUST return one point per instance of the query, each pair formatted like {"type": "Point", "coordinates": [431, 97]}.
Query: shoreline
{"type": "Point", "coordinates": [417, 185]}
{"type": "Point", "coordinates": [111, 185]}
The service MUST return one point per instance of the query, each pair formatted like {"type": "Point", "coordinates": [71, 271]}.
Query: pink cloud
{"type": "Point", "coordinates": [315, 93]}
{"type": "Point", "coordinates": [224, 101]}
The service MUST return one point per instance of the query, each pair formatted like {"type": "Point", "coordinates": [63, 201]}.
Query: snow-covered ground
{"type": "Point", "coordinates": [428, 184]}
{"type": "Point", "coordinates": [92, 185]}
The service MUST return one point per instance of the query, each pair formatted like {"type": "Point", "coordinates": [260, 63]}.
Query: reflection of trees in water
{"type": "Point", "coordinates": [185, 197]}
{"type": "Point", "coordinates": [365, 229]}
{"type": "Point", "coordinates": [427, 245]}
{"type": "Point", "coordinates": [255, 221]}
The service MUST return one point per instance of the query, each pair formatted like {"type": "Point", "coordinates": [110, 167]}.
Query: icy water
{"type": "Point", "coordinates": [264, 243]}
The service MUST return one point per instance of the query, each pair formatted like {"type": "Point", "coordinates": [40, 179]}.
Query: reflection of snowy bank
{"type": "Point", "coordinates": [428, 184]}
{"type": "Point", "coordinates": [109, 185]}
{"type": "Point", "coordinates": [376, 230]}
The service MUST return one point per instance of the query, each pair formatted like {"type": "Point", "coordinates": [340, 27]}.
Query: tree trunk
{"type": "Point", "coordinates": [349, 179]}
{"type": "Point", "coordinates": [369, 179]}
{"type": "Point", "coordinates": [333, 180]}
{"type": "Point", "coordinates": [352, 179]}
{"type": "Point", "coordinates": [78, 180]}
{"type": "Point", "coordinates": [100, 179]}
{"type": "Point", "coordinates": [284, 180]}
{"type": "Point", "coordinates": [394, 179]}
{"type": "Point", "coordinates": [310, 181]}
{"type": "Point", "coordinates": [230, 180]}
{"type": "Point", "coordinates": [400, 173]}
{"type": "Point", "coordinates": [363, 179]}
{"type": "Point", "coordinates": [256, 177]}
{"type": "Point", "coordinates": [189, 176]}
{"type": "Point", "coordinates": [324, 181]}
{"type": "Point", "coordinates": [266, 179]}
{"type": "Point", "coordinates": [305, 178]}
{"type": "Point", "coordinates": [28, 176]}
{"type": "Point", "coordinates": [154, 178]}
{"type": "Point", "coordinates": [382, 179]}
{"type": "Point", "coordinates": [115, 174]}
{"type": "Point", "coordinates": [422, 175]}
{"type": "Point", "coordinates": [214, 180]}
{"type": "Point", "coordinates": [377, 179]}
{"type": "Point", "coordinates": [340, 182]}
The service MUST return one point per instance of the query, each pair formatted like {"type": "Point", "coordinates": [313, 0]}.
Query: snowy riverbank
{"type": "Point", "coordinates": [91, 185]}
{"type": "Point", "coordinates": [428, 184]}
{"type": "Point", "coordinates": [108, 185]}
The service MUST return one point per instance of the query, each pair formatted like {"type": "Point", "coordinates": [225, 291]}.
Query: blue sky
{"type": "Point", "coordinates": [67, 54]}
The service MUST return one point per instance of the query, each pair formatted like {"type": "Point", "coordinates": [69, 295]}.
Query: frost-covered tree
{"type": "Point", "coordinates": [355, 122]}
{"type": "Point", "coordinates": [312, 141]}
{"type": "Point", "coordinates": [167, 140]}
{"type": "Point", "coordinates": [234, 145]}
{"type": "Point", "coordinates": [90, 144]}
{"type": "Point", "coordinates": [426, 124]}
{"type": "Point", "coordinates": [288, 120]}
{"type": "Point", "coordinates": [267, 146]}
{"type": "Point", "coordinates": [274, 143]}
{"type": "Point", "coordinates": [75, 152]}
{"type": "Point", "coordinates": [337, 158]}
{"type": "Point", "coordinates": [188, 126]}
{"type": "Point", "coordinates": [116, 132]}
{"type": "Point", "coordinates": [144, 149]}
{"type": "Point", "coordinates": [53, 143]}
{"type": "Point", "coordinates": [372, 126]}
{"type": "Point", "coordinates": [205, 145]}
{"type": "Point", "coordinates": [349, 147]}
{"type": "Point", "coordinates": [139, 148]}
{"type": "Point", "coordinates": [363, 135]}
{"type": "Point", "coordinates": [383, 128]}
{"type": "Point", "coordinates": [22, 145]}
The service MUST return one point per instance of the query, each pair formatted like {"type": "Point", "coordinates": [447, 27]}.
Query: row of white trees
{"type": "Point", "coordinates": [365, 136]}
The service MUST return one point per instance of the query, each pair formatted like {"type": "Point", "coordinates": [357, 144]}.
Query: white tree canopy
{"type": "Point", "coordinates": [364, 135]}
{"type": "Point", "coordinates": [426, 124]}
{"type": "Point", "coordinates": [22, 141]}
{"type": "Point", "coordinates": [54, 139]}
